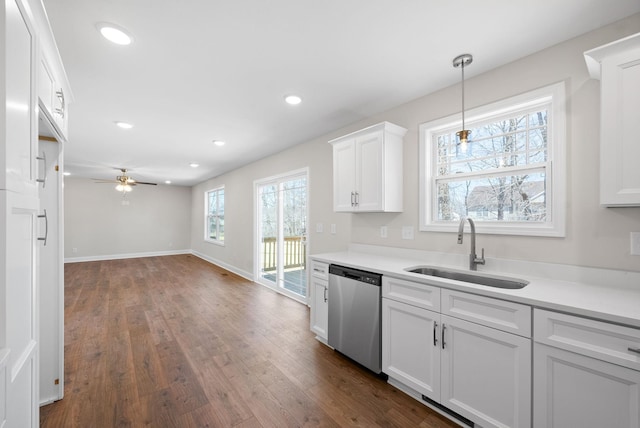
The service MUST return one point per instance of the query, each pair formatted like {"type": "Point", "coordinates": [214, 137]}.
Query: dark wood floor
{"type": "Point", "coordinates": [176, 342]}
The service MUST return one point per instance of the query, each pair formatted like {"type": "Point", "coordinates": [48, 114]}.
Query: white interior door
{"type": "Point", "coordinates": [281, 242]}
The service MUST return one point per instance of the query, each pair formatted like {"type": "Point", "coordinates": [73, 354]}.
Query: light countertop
{"type": "Point", "coordinates": [603, 294]}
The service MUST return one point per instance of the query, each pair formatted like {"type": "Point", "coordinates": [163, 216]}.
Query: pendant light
{"type": "Point", "coordinates": [463, 135]}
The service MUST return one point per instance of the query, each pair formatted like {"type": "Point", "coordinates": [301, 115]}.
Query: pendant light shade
{"type": "Point", "coordinates": [463, 135]}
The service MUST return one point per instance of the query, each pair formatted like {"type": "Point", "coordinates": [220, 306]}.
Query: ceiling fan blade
{"type": "Point", "coordinates": [143, 182]}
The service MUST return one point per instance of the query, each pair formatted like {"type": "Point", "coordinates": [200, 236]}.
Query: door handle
{"type": "Point", "coordinates": [43, 180]}
{"type": "Point", "coordinates": [435, 336]}
{"type": "Point", "coordinates": [443, 328]}
{"type": "Point", "coordinates": [325, 294]}
{"type": "Point", "coordinates": [46, 227]}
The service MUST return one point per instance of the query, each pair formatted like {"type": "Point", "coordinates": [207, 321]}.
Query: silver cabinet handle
{"type": "Point", "coordinates": [443, 328]}
{"type": "Point", "coordinates": [60, 95]}
{"type": "Point", "coordinates": [636, 350]}
{"type": "Point", "coordinates": [435, 336]}
{"type": "Point", "coordinates": [352, 200]}
{"type": "Point", "coordinates": [357, 199]}
{"type": "Point", "coordinates": [325, 294]}
{"type": "Point", "coordinates": [43, 180]}
{"type": "Point", "coordinates": [46, 227]}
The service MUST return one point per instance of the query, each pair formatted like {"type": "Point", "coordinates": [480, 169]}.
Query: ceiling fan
{"type": "Point", "coordinates": [123, 182]}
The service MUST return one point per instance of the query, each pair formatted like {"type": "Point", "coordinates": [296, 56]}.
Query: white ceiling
{"type": "Point", "coordinates": [200, 70]}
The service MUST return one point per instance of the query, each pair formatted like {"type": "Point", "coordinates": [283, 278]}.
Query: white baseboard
{"type": "Point", "coordinates": [125, 256]}
{"type": "Point", "coordinates": [239, 272]}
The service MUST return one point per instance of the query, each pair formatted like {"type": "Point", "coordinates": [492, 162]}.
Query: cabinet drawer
{"type": "Point", "coordinates": [320, 269]}
{"type": "Point", "coordinates": [597, 339]}
{"type": "Point", "coordinates": [413, 293]}
{"type": "Point", "coordinates": [506, 316]}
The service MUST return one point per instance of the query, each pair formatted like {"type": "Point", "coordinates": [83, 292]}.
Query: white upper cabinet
{"type": "Point", "coordinates": [367, 169]}
{"type": "Point", "coordinates": [617, 65]}
{"type": "Point", "coordinates": [18, 162]}
{"type": "Point", "coordinates": [53, 94]}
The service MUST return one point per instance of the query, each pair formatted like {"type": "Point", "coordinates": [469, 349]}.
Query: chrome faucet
{"type": "Point", "coordinates": [474, 261]}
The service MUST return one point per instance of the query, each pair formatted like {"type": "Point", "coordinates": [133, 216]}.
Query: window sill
{"type": "Point", "coordinates": [214, 242]}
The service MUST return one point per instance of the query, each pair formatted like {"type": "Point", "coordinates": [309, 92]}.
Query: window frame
{"type": "Point", "coordinates": [554, 167]}
{"type": "Point", "coordinates": [207, 214]}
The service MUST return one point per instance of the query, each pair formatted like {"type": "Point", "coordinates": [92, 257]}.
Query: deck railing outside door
{"type": "Point", "coordinates": [295, 253]}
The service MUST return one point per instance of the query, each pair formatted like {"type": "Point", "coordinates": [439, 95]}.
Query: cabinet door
{"type": "Point", "coordinates": [19, 284]}
{"type": "Point", "coordinates": [620, 112]}
{"type": "Point", "coordinates": [45, 86]}
{"type": "Point", "coordinates": [18, 154]}
{"type": "Point", "coordinates": [411, 347]}
{"type": "Point", "coordinates": [368, 170]}
{"type": "Point", "coordinates": [486, 374]}
{"type": "Point", "coordinates": [571, 390]}
{"type": "Point", "coordinates": [344, 183]}
{"type": "Point", "coordinates": [319, 307]}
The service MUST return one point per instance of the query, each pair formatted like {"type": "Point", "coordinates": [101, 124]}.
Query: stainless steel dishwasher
{"type": "Point", "coordinates": [354, 315]}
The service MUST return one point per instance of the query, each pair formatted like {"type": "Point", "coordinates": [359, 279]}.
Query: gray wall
{"type": "Point", "coordinates": [596, 236]}
{"type": "Point", "coordinates": [237, 253]}
{"type": "Point", "coordinates": [97, 224]}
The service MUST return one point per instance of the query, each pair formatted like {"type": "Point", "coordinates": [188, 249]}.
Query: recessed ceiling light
{"type": "Point", "coordinates": [219, 143]}
{"type": "Point", "coordinates": [194, 165]}
{"type": "Point", "coordinates": [167, 182]}
{"type": "Point", "coordinates": [115, 34]}
{"type": "Point", "coordinates": [124, 125]}
{"type": "Point", "coordinates": [293, 99]}
{"type": "Point", "coordinates": [66, 173]}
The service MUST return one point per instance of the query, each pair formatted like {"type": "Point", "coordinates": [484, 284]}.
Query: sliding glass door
{"type": "Point", "coordinates": [282, 233]}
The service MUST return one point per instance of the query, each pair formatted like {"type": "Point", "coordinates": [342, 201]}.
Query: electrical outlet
{"type": "Point", "coordinates": [74, 250]}
{"type": "Point", "coordinates": [383, 231]}
{"type": "Point", "coordinates": [333, 228]}
{"type": "Point", "coordinates": [407, 232]}
{"type": "Point", "coordinates": [319, 227]}
{"type": "Point", "coordinates": [635, 243]}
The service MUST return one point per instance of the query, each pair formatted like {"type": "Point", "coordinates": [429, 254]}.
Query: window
{"type": "Point", "coordinates": [214, 215]}
{"type": "Point", "coordinates": [510, 179]}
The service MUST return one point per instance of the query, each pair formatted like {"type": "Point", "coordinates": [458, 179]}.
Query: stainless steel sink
{"type": "Point", "coordinates": [474, 278]}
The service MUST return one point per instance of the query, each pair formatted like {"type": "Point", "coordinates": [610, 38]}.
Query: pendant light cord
{"type": "Point", "coordinates": [462, 66]}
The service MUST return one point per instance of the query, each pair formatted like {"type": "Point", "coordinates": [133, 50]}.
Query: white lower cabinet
{"type": "Point", "coordinates": [319, 307]}
{"type": "Point", "coordinates": [480, 372]}
{"type": "Point", "coordinates": [409, 347]}
{"type": "Point", "coordinates": [486, 374]}
{"type": "Point", "coordinates": [319, 279]}
{"type": "Point", "coordinates": [571, 390]}
{"type": "Point", "coordinates": [586, 373]}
